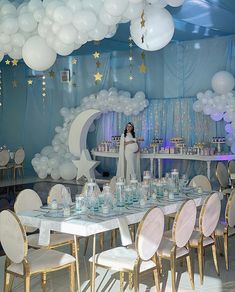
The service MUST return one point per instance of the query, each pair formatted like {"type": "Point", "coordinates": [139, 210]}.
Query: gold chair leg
{"type": "Point", "coordinates": [121, 281]}
{"type": "Point", "coordinates": [86, 245]}
{"type": "Point", "coordinates": [173, 273]}
{"type": "Point", "coordinates": [136, 281]}
{"type": "Point", "coordinates": [132, 230]}
{"type": "Point", "coordinates": [113, 238]}
{"type": "Point", "coordinates": [214, 252]}
{"type": "Point", "coordinates": [226, 250]}
{"type": "Point", "coordinates": [44, 281]}
{"type": "Point", "coordinates": [7, 280]}
{"type": "Point", "coordinates": [200, 262]}
{"type": "Point", "coordinates": [131, 284]}
{"type": "Point", "coordinates": [190, 271]}
{"type": "Point", "coordinates": [156, 274]}
{"type": "Point", "coordinates": [27, 284]}
{"type": "Point", "coordinates": [72, 277]}
{"type": "Point", "coordinates": [102, 241]}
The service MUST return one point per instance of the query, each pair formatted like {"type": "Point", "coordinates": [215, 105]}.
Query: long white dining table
{"type": "Point", "coordinates": [84, 225]}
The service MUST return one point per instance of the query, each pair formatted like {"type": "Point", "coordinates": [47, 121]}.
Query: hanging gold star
{"type": "Point", "coordinates": [142, 39]}
{"type": "Point", "coordinates": [98, 76]}
{"type": "Point", "coordinates": [142, 22]}
{"type": "Point", "coordinates": [74, 61]}
{"type": "Point", "coordinates": [143, 68]}
{"type": "Point", "coordinates": [14, 62]}
{"type": "Point", "coordinates": [98, 64]}
{"type": "Point", "coordinates": [130, 38]}
{"type": "Point", "coordinates": [7, 62]}
{"type": "Point", "coordinates": [142, 55]}
{"type": "Point", "coordinates": [96, 55]}
{"type": "Point", "coordinates": [130, 45]}
{"type": "Point", "coordinates": [51, 74]}
{"type": "Point", "coordinates": [30, 82]}
{"type": "Point", "coordinates": [14, 83]}
{"type": "Point", "coordinates": [130, 58]}
{"type": "Point", "coordinates": [131, 77]}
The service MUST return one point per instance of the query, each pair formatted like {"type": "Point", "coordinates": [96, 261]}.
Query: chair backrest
{"type": "Point", "coordinates": [13, 237]}
{"type": "Point", "coordinates": [19, 156]}
{"type": "Point", "coordinates": [230, 210]}
{"type": "Point", "coordinates": [222, 175]}
{"type": "Point", "coordinates": [184, 223]}
{"type": "Point", "coordinates": [4, 157]}
{"type": "Point", "coordinates": [149, 233]}
{"type": "Point", "coordinates": [112, 184]}
{"type": "Point", "coordinates": [58, 192]}
{"type": "Point", "coordinates": [27, 200]}
{"type": "Point", "coordinates": [231, 167]}
{"type": "Point", "coordinates": [201, 181]}
{"type": "Point", "coordinates": [209, 215]}
{"type": "Point", "coordinates": [97, 189]}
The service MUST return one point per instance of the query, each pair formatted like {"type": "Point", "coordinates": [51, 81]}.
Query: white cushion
{"type": "Point", "coordinates": [121, 258]}
{"type": "Point", "coordinates": [194, 239]}
{"type": "Point", "coordinates": [219, 231]}
{"type": "Point", "coordinates": [55, 239]}
{"type": "Point", "coordinates": [41, 260]}
{"type": "Point", "coordinates": [166, 246]}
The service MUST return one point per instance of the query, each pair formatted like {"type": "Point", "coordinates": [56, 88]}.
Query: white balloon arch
{"type": "Point", "coordinates": [220, 104]}
{"type": "Point", "coordinates": [39, 30]}
{"type": "Point", "coordinates": [56, 159]}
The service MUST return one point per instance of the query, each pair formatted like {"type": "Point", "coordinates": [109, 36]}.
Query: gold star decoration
{"type": "Point", "coordinates": [30, 82]}
{"type": "Point", "coordinates": [131, 77]}
{"type": "Point", "coordinates": [130, 45]}
{"type": "Point", "coordinates": [14, 83]}
{"type": "Point", "coordinates": [130, 58]}
{"type": "Point", "coordinates": [7, 62]}
{"type": "Point", "coordinates": [142, 55]}
{"type": "Point", "coordinates": [142, 22]}
{"type": "Point", "coordinates": [51, 74]}
{"type": "Point", "coordinates": [130, 38]}
{"type": "Point", "coordinates": [98, 64]}
{"type": "Point", "coordinates": [98, 76]}
{"type": "Point", "coordinates": [142, 39]}
{"type": "Point", "coordinates": [74, 61]}
{"type": "Point", "coordinates": [14, 62]}
{"type": "Point", "coordinates": [143, 68]}
{"type": "Point", "coordinates": [96, 55]}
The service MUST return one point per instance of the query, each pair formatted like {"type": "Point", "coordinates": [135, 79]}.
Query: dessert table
{"type": "Point", "coordinates": [161, 156]}
{"type": "Point", "coordinates": [92, 224]}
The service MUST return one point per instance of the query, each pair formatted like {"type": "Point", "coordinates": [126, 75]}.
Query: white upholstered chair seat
{"type": "Point", "coordinates": [227, 191]}
{"type": "Point", "coordinates": [219, 231]}
{"type": "Point", "coordinates": [55, 239]}
{"type": "Point", "coordinates": [195, 237]}
{"type": "Point", "coordinates": [121, 258]}
{"type": "Point", "coordinates": [166, 246]}
{"type": "Point", "coordinates": [41, 260]}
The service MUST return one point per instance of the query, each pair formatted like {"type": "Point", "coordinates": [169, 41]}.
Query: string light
{"type": "Point", "coordinates": [130, 58]}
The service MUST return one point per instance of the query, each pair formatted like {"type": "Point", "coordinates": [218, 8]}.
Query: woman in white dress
{"type": "Point", "coordinates": [129, 156]}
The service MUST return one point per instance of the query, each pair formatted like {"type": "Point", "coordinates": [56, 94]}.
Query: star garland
{"type": "Point", "coordinates": [1, 97]}
{"type": "Point", "coordinates": [130, 58]}
{"type": "Point", "coordinates": [143, 67]}
{"type": "Point", "coordinates": [13, 62]}
{"type": "Point", "coordinates": [98, 76]}
{"type": "Point", "coordinates": [142, 24]}
{"type": "Point", "coordinates": [44, 86]}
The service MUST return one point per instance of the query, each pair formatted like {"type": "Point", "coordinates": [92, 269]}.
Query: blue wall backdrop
{"type": "Point", "coordinates": [175, 74]}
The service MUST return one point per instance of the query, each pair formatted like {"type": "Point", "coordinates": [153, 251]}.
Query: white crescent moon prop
{"type": "Point", "coordinates": [79, 129]}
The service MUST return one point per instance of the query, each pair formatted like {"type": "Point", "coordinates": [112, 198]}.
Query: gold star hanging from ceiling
{"type": "Point", "coordinates": [30, 82]}
{"type": "Point", "coordinates": [143, 68]}
{"type": "Point", "coordinates": [51, 74]}
{"type": "Point", "coordinates": [7, 62]}
{"type": "Point", "coordinates": [14, 83]}
{"type": "Point", "coordinates": [130, 38]}
{"type": "Point", "coordinates": [96, 55]}
{"type": "Point", "coordinates": [142, 55]}
{"type": "Point", "coordinates": [14, 62]}
{"type": "Point", "coordinates": [98, 76]}
{"type": "Point", "coordinates": [131, 77]}
{"type": "Point", "coordinates": [142, 22]}
{"type": "Point", "coordinates": [74, 61]}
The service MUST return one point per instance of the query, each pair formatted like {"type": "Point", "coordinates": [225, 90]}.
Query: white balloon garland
{"type": "Point", "coordinates": [220, 104]}
{"type": "Point", "coordinates": [56, 160]}
{"type": "Point", "coordinates": [65, 25]}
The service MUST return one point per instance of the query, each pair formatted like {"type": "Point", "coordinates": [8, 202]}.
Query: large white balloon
{"type": "Point", "coordinates": [158, 29]}
{"type": "Point", "coordinates": [68, 171]}
{"type": "Point", "coordinates": [222, 82]}
{"type": "Point", "coordinates": [37, 55]}
{"type": "Point", "coordinates": [114, 7]}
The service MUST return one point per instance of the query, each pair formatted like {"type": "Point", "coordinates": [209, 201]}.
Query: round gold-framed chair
{"type": "Point", "coordinates": [201, 181]}
{"type": "Point", "coordinates": [23, 262]}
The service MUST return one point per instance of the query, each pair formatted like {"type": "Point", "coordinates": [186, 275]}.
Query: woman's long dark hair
{"type": "Point", "coordinates": [132, 132]}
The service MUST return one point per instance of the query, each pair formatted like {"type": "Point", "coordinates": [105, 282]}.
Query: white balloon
{"type": "Point", "coordinates": [222, 82]}
{"type": "Point", "coordinates": [55, 174]}
{"type": "Point", "coordinates": [34, 5]}
{"type": "Point", "coordinates": [197, 106]}
{"type": "Point", "coordinates": [158, 3]}
{"type": "Point", "coordinates": [107, 18]}
{"type": "Point", "coordinates": [42, 174]}
{"type": "Point", "coordinates": [42, 30]}
{"type": "Point", "coordinates": [158, 29]}
{"type": "Point", "coordinates": [1, 56]}
{"type": "Point", "coordinates": [27, 22]}
{"type": "Point", "coordinates": [37, 55]}
{"type": "Point", "coordinates": [51, 6]}
{"type": "Point", "coordinates": [62, 48]}
{"type": "Point", "coordinates": [39, 14]}
{"type": "Point", "coordinates": [74, 5]}
{"type": "Point", "coordinates": [8, 8]}
{"type": "Point", "coordinates": [18, 40]}
{"type": "Point", "coordinates": [228, 128]}
{"type": "Point", "coordinates": [22, 8]}
{"type": "Point", "coordinates": [85, 20]}
{"type": "Point", "coordinates": [82, 38]}
{"type": "Point", "coordinates": [15, 53]}
{"type": "Point", "coordinates": [112, 31]}
{"type": "Point", "coordinates": [94, 5]}
{"type": "Point", "coordinates": [62, 15]}
{"type": "Point", "coordinates": [216, 116]}
{"type": "Point", "coordinates": [68, 171]}
{"type": "Point", "coordinates": [133, 10]}
{"type": "Point", "coordinates": [114, 7]}
{"type": "Point", "coordinates": [9, 24]}
{"type": "Point", "coordinates": [67, 34]}
{"type": "Point", "coordinates": [99, 32]}
{"type": "Point", "coordinates": [175, 3]}
{"type": "Point", "coordinates": [4, 38]}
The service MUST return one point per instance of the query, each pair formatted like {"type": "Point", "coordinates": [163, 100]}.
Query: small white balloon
{"type": "Point", "coordinates": [222, 82]}
{"type": "Point", "coordinates": [9, 24]}
{"type": "Point", "coordinates": [85, 20]}
{"type": "Point", "coordinates": [134, 10]}
{"type": "Point", "coordinates": [175, 3]}
{"type": "Point", "coordinates": [27, 22]}
{"type": "Point", "coordinates": [114, 7]}
{"type": "Point", "coordinates": [99, 32]}
{"type": "Point", "coordinates": [62, 15]}
{"type": "Point", "coordinates": [67, 34]}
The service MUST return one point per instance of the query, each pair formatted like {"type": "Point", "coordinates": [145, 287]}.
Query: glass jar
{"type": "Point", "coordinates": [120, 194]}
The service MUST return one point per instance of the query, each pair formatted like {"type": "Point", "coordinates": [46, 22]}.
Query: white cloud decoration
{"type": "Point", "coordinates": [52, 27]}
{"type": "Point", "coordinates": [56, 160]}
{"type": "Point", "coordinates": [220, 104]}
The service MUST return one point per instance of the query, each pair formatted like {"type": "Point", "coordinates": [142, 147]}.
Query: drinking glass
{"type": "Point", "coordinates": [80, 203]}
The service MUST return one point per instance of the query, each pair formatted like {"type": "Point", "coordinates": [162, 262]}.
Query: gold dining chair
{"type": "Point", "coordinates": [4, 160]}
{"type": "Point", "coordinates": [204, 236]}
{"type": "Point", "coordinates": [23, 262]}
{"type": "Point", "coordinates": [223, 178]}
{"type": "Point", "coordinates": [174, 245]}
{"type": "Point", "coordinates": [139, 258]}
{"type": "Point", "coordinates": [58, 193]}
{"type": "Point", "coordinates": [231, 171]}
{"type": "Point", "coordinates": [227, 229]}
{"type": "Point", "coordinates": [28, 200]}
{"type": "Point", "coordinates": [201, 181]}
{"type": "Point", "coordinates": [18, 162]}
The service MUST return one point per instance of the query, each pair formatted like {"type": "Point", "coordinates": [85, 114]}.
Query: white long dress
{"type": "Point", "coordinates": [129, 160]}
